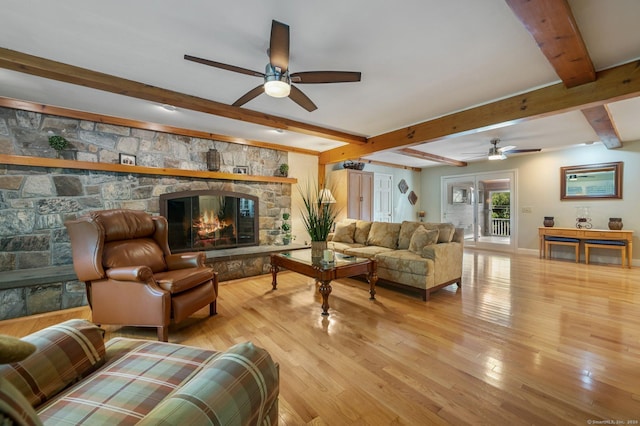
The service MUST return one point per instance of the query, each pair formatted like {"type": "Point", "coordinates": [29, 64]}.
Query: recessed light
{"type": "Point", "coordinates": [168, 107]}
{"type": "Point", "coordinates": [278, 131]}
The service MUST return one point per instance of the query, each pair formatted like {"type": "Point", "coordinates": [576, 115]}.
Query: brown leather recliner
{"type": "Point", "coordinates": [131, 276]}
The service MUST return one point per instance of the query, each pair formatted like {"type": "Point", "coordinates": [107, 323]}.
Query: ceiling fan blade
{"type": "Point", "coordinates": [301, 99]}
{"type": "Point", "coordinates": [519, 151]}
{"type": "Point", "coordinates": [256, 91]}
{"type": "Point", "coordinates": [313, 77]}
{"type": "Point", "coordinates": [506, 148]}
{"type": "Point", "coordinates": [279, 45]}
{"type": "Point", "coordinates": [224, 66]}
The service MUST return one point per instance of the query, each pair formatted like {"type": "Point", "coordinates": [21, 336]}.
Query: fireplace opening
{"type": "Point", "coordinates": [210, 220]}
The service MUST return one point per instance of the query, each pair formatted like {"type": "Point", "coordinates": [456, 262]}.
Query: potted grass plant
{"type": "Point", "coordinates": [319, 214]}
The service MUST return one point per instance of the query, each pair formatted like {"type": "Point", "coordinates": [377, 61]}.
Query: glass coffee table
{"type": "Point", "coordinates": [300, 261]}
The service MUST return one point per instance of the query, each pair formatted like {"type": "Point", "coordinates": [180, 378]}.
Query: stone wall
{"type": "Point", "coordinates": [35, 201]}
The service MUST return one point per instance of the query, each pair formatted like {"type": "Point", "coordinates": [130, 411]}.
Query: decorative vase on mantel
{"type": "Point", "coordinates": [317, 249]}
{"type": "Point", "coordinates": [548, 221]}
{"type": "Point", "coordinates": [615, 223]}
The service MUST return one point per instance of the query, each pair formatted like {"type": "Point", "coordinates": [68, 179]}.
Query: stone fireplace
{"type": "Point", "coordinates": [210, 219]}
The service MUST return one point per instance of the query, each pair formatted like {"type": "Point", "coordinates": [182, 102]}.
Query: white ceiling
{"type": "Point", "coordinates": [420, 59]}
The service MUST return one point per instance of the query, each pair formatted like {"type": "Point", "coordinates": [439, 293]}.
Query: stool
{"type": "Point", "coordinates": [561, 241]}
{"type": "Point", "coordinates": [609, 244]}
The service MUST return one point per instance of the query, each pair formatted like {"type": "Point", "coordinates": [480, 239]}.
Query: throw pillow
{"type": "Point", "coordinates": [362, 231]}
{"type": "Point", "coordinates": [406, 232]}
{"type": "Point", "coordinates": [13, 349]}
{"type": "Point", "coordinates": [384, 234]}
{"type": "Point", "coordinates": [344, 232]}
{"type": "Point", "coordinates": [446, 232]}
{"type": "Point", "coordinates": [422, 238]}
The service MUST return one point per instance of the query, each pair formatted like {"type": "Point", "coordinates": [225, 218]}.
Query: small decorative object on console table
{"type": "Point", "coordinates": [318, 216]}
{"type": "Point", "coordinates": [548, 221]}
{"type": "Point", "coordinates": [615, 223]}
{"type": "Point", "coordinates": [583, 219]}
{"type": "Point", "coordinates": [421, 215]}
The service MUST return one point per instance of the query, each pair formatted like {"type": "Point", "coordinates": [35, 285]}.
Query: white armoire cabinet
{"type": "Point", "coordinates": [353, 193]}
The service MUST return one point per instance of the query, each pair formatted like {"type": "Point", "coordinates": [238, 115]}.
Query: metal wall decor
{"type": "Point", "coordinates": [413, 198]}
{"type": "Point", "coordinates": [402, 186]}
{"type": "Point", "coordinates": [213, 160]}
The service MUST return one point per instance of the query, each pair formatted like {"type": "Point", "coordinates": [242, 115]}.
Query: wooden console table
{"type": "Point", "coordinates": [587, 234]}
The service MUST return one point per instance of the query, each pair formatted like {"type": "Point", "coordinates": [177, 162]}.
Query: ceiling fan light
{"type": "Point", "coordinates": [277, 89]}
{"type": "Point", "coordinates": [277, 84]}
{"type": "Point", "coordinates": [495, 154]}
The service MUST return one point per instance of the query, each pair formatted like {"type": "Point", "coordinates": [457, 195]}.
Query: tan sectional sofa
{"type": "Point", "coordinates": [414, 255]}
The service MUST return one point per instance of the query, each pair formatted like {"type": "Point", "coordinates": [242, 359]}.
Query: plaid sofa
{"type": "Point", "coordinates": [75, 378]}
{"type": "Point", "coordinates": [418, 256]}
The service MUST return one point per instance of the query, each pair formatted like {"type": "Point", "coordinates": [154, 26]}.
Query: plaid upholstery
{"type": "Point", "coordinates": [138, 381]}
{"type": "Point", "coordinates": [201, 384]}
{"type": "Point", "coordinates": [14, 407]}
{"type": "Point", "coordinates": [65, 353]}
{"type": "Point", "coordinates": [240, 387]}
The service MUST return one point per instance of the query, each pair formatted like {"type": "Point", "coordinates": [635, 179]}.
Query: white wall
{"type": "Point", "coordinates": [539, 188]}
{"type": "Point", "coordinates": [304, 168]}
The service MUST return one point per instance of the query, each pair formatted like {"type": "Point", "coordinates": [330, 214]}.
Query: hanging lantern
{"type": "Point", "coordinates": [213, 160]}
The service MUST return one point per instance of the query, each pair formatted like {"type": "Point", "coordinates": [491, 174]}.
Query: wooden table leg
{"type": "Point", "coordinates": [325, 291]}
{"type": "Point", "coordinates": [274, 274]}
{"type": "Point", "coordinates": [372, 279]}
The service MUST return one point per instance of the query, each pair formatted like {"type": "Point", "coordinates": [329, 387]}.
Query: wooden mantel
{"type": "Point", "coordinates": [18, 160]}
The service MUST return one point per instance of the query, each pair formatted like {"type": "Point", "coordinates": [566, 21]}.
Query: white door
{"type": "Point", "coordinates": [383, 204]}
{"type": "Point", "coordinates": [483, 205]}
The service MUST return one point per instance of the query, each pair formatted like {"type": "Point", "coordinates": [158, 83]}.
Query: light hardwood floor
{"type": "Point", "coordinates": [525, 341]}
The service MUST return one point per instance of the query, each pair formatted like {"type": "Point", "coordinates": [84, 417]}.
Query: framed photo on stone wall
{"type": "Point", "coordinates": [128, 159]}
{"type": "Point", "coordinates": [241, 170]}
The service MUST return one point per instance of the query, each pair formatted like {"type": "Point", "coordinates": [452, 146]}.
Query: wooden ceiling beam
{"type": "Point", "coordinates": [553, 27]}
{"type": "Point", "coordinates": [41, 67]}
{"type": "Point", "coordinates": [614, 84]}
{"type": "Point", "coordinates": [600, 119]}
{"type": "Point", "coordinates": [431, 157]}
{"type": "Point", "coordinates": [383, 163]}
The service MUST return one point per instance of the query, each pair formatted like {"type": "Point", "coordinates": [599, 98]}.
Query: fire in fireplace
{"type": "Point", "coordinates": [209, 220]}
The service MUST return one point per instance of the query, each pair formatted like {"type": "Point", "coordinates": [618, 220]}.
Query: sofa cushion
{"type": "Point", "coordinates": [366, 251]}
{"type": "Point", "coordinates": [65, 353]}
{"type": "Point", "coordinates": [404, 261]}
{"type": "Point", "coordinates": [384, 234]}
{"type": "Point", "coordinates": [344, 232]}
{"type": "Point", "coordinates": [406, 232]}
{"type": "Point", "coordinates": [342, 247]}
{"type": "Point", "coordinates": [362, 231]}
{"type": "Point", "coordinates": [422, 238]}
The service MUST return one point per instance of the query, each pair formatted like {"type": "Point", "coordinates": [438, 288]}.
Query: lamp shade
{"type": "Point", "coordinates": [326, 197]}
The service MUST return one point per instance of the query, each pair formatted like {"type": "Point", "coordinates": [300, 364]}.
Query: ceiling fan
{"type": "Point", "coordinates": [277, 79]}
{"type": "Point", "coordinates": [496, 153]}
